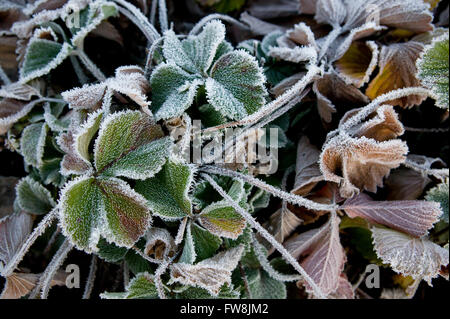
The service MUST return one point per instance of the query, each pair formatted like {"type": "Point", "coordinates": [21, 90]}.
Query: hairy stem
{"type": "Point", "coordinates": [90, 65]}
{"type": "Point", "coordinates": [264, 233]}
{"type": "Point", "coordinates": [163, 21]}
{"type": "Point", "coordinates": [291, 198]}
{"type": "Point", "coordinates": [91, 278]}
{"type": "Point", "coordinates": [4, 77]}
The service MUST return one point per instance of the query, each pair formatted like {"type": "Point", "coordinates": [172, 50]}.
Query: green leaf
{"type": "Point", "coordinates": [222, 220]}
{"type": "Point", "coordinates": [205, 243]}
{"type": "Point", "coordinates": [50, 171]}
{"type": "Point", "coordinates": [175, 54]}
{"type": "Point", "coordinates": [32, 143]}
{"type": "Point", "coordinates": [225, 6]}
{"type": "Point", "coordinates": [236, 85]}
{"type": "Point", "coordinates": [210, 117]}
{"type": "Point", "coordinates": [433, 69]}
{"type": "Point", "coordinates": [440, 194]}
{"type": "Point", "coordinates": [136, 263]}
{"type": "Point", "coordinates": [130, 145]}
{"type": "Point", "coordinates": [189, 254]}
{"type": "Point", "coordinates": [226, 292]}
{"type": "Point", "coordinates": [202, 48]}
{"type": "Point", "coordinates": [140, 287]}
{"type": "Point", "coordinates": [173, 90]}
{"type": "Point", "coordinates": [86, 133]}
{"type": "Point", "coordinates": [262, 286]}
{"type": "Point", "coordinates": [110, 252]}
{"type": "Point", "coordinates": [41, 57]}
{"type": "Point", "coordinates": [33, 198]}
{"type": "Point", "coordinates": [91, 207]}
{"type": "Point", "coordinates": [167, 192]}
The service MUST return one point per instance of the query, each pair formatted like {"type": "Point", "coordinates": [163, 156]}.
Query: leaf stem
{"type": "Point", "coordinates": [91, 278]}
{"type": "Point", "coordinates": [264, 233]}
{"type": "Point", "coordinates": [196, 29]}
{"type": "Point", "coordinates": [90, 65]}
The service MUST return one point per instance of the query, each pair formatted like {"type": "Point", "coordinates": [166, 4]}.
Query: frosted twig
{"type": "Point", "coordinates": [126, 274]}
{"type": "Point", "coordinates": [4, 77]}
{"type": "Point", "coordinates": [291, 198]}
{"type": "Point", "coordinates": [286, 174]}
{"type": "Point", "coordinates": [82, 78]}
{"type": "Point", "coordinates": [271, 107]}
{"type": "Point", "coordinates": [328, 40]}
{"type": "Point", "coordinates": [264, 233]}
{"type": "Point", "coordinates": [196, 29]}
{"type": "Point", "coordinates": [40, 228]}
{"type": "Point", "coordinates": [163, 22]}
{"type": "Point", "coordinates": [426, 130]}
{"type": "Point", "coordinates": [57, 260]}
{"type": "Point", "coordinates": [268, 267]}
{"type": "Point", "coordinates": [440, 173]}
{"type": "Point", "coordinates": [139, 19]}
{"type": "Point", "coordinates": [91, 278]}
{"type": "Point", "coordinates": [153, 11]}
{"type": "Point", "coordinates": [372, 106]}
{"type": "Point", "coordinates": [158, 273]}
{"type": "Point", "coordinates": [52, 240]}
{"type": "Point", "coordinates": [150, 259]}
{"type": "Point", "coordinates": [90, 65]}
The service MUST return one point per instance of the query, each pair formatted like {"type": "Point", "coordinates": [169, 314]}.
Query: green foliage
{"type": "Point", "coordinates": [140, 287]}
{"type": "Point", "coordinates": [433, 69]}
{"type": "Point", "coordinates": [33, 198]}
{"type": "Point", "coordinates": [233, 80]}
{"type": "Point", "coordinates": [440, 194]}
{"type": "Point", "coordinates": [262, 286]}
{"type": "Point", "coordinates": [32, 143]}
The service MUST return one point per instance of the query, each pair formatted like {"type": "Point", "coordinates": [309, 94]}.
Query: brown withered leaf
{"type": "Point", "coordinates": [325, 256]}
{"type": "Point", "coordinates": [357, 64]}
{"type": "Point", "coordinates": [258, 26]}
{"type": "Point", "coordinates": [413, 217]}
{"type": "Point", "coordinates": [11, 111]}
{"type": "Point", "coordinates": [18, 91]}
{"type": "Point", "coordinates": [360, 163]}
{"type": "Point", "coordinates": [344, 290]}
{"type": "Point", "coordinates": [14, 229]}
{"type": "Point", "coordinates": [159, 243]}
{"type": "Point", "coordinates": [381, 125]}
{"type": "Point", "coordinates": [281, 224]}
{"type": "Point", "coordinates": [397, 65]}
{"type": "Point", "coordinates": [7, 195]}
{"type": "Point", "coordinates": [286, 84]}
{"type": "Point", "coordinates": [307, 169]}
{"type": "Point", "coordinates": [108, 31]}
{"type": "Point", "coordinates": [419, 258]}
{"type": "Point", "coordinates": [331, 90]}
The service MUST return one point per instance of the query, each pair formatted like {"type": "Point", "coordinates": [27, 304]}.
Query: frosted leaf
{"type": "Point", "coordinates": [89, 96]}
{"type": "Point", "coordinates": [140, 287]}
{"type": "Point", "coordinates": [397, 65]}
{"type": "Point", "coordinates": [419, 258]}
{"type": "Point", "coordinates": [263, 286]}
{"type": "Point", "coordinates": [202, 48]}
{"type": "Point", "coordinates": [382, 125]}
{"type": "Point", "coordinates": [295, 55]}
{"type": "Point", "coordinates": [173, 90]}
{"type": "Point", "coordinates": [11, 111]}
{"type": "Point", "coordinates": [236, 85]}
{"type": "Point", "coordinates": [302, 34]}
{"type": "Point", "coordinates": [286, 84]}
{"type": "Point", "coordinates": [14, 231]}
{"type": "Point", "coordinates": [84, 135]}
{"type": "Point", "coordinates": [33, 198]}
{"type": "Point", "coordinates": [130, 80]}
{"type": "Point", "coordinates": [51, 115]}
{"type": "Point", "coordinates": [344, 290]}
{"type": "Point", "coordinates": [307, 170]}
{"type": "Point", "coordinates": [332, 12]}
{"type": "Point", "coordinates": [90, 208]}
{"type": "Point", "coordinates": [222, 220]}
{"type": "Point", "coordinates": [358, 63]}
{"type": "Point", "coordinates": [41, 57]}
{"type": "Point", "coordinates": [206, 244]}
{"type": "Point", "coordinates": [413, 217]}
{"type": "Point", "coordinates": [19, 91]}
{"type": "Point", "coordinates": [90, 18]}
{"type": "Point", "coordinates": [406, 184]}
{"type": "Point", "coordinates": [440, 195]}
{"type": "Point", "coordinates": [433, 69]}
{"type": "Point", "coordinates": [159, 243]}
{"type": "Point", "coordinates": [331, 90]}
{"type": "Point", "coordinates": [72, 162]}
{"type": "Point", "coordinates": [361, 163]}
{"type": "Point", "coordinates": [259, 27]}
{"type": "Point", "coordinates": [189, 253]}
{"type": "Point", "coordinates": [167, 192]}
{"type": "Point", "coordinates": [325, 255]}
{"type": "Point", "coordinates": [394, 293]}
{"type": "Point", "coordinates": [32, 143]}
{"type": "Point", "coordinates": [282, 223]}
{"type": "Point", "coordinates": [126, 140]}
{"type": "Point", "coordinates": [174, 53]}
{"type": "Point", "coordinates": [210, 274]}
{"type": "Point", "coordinates": [410, 14]}
{"type": "Point", "coordinates": [108, 31]}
